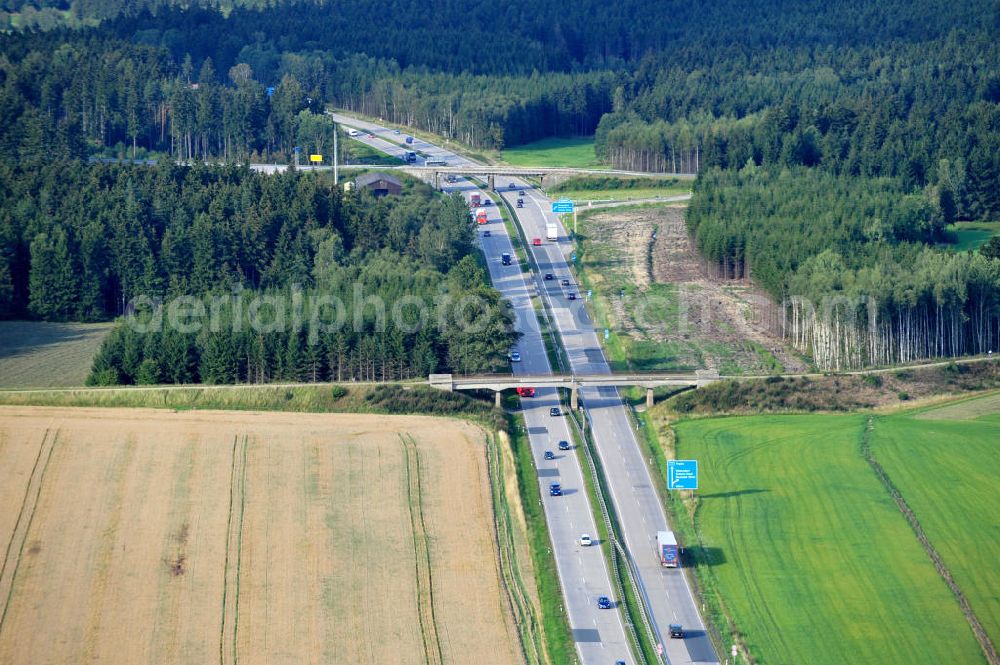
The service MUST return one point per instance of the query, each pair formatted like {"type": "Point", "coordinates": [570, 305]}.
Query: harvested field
{"type": "Point", "coordinates": [150, 536]}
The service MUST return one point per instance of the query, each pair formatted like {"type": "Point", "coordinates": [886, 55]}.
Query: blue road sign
{"type": "Point", "coordinates": [562, 205]}
{"type": "Point", "coordinates": [607, 333]}
{"type": "Point", "coordinates": [270, 91]}
{"type": "Point", "coordinates": [682, 474]}
{"type": "Point", "coordinates": [572, 257]}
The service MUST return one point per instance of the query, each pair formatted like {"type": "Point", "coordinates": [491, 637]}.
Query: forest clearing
{"type": "Point", "coordinates": [673, 316]}
{"type": "Point", "coordinates": [43, 354]}
{"type": "Point", "coordinates": [814, 559]}
{"type": "Point", "coordinates": [190, 537]}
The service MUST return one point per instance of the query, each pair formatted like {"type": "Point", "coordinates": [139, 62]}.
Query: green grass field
{"type": "Point", "coordinates": [574, 153]}
{"type": "Point", "coordinates": [947, 471]}
{"type": "Point", "coordinates": [44, 355]}
{"type": "Point", "coordinates": [814, 560]}
{"type": "Point", "coordinates": [972, 235]}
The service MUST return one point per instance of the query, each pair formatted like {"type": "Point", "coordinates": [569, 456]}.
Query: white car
{"type": "Point", "coordinates": [515, 357]}
{"type": "Point", "coordinates": [353, 132]}
{"type": "Point", "coordinates": [585, 540]}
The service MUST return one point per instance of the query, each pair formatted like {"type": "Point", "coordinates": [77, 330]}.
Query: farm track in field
{"type": "Point", "coordinates": [421, 547]}
{"type": "Point", "coordinates": [19, 537]}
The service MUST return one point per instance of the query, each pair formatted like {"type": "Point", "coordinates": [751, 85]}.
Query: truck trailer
{"type": "Point", "coordinates": [475, 200]}
{"type": "Point", "coordinates": [666, 548]}
{"type": "Point", "coordinates": [551, 231]}
{"type": "Point", "coordinates": [481, 217]}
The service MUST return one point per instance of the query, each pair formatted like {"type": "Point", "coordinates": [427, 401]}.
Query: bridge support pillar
{"type": "Point", "coordinates": [574, 399]}
{"type": "Point", "coordinates": [497, 398]}
{"type": "Point", "coordinates": [649, 398]}
{"type": "Point", "coordinates": [491, 182]}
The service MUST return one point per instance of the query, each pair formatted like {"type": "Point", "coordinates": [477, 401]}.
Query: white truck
{"type": "Point", "coordinates": [551, 231]}
{"type": "Point", "coordinates": [666, 548]}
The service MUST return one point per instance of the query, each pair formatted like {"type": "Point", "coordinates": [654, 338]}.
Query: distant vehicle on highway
{"type": "Point", "coordinates": [395, 131]}
{"type": "Point", "coordinates": [585, 540]}
{"type": "Point", "coordinates": [511, 186]}
{"type": "Point", "coordinates": [435, 161]}
{"type": "Point", "coordinates": [554, 411]}
{"type": "Point", "coordinates": [604, 603]}
{"type": "Point", "coordinates": [549, 276]}
{"type": "Point", "coordinates": [549, 455]}
{"type": "Point", "coordinates": [370, 136]}
{"type": "Point", "coordinates": [551, 231]}
{"type": "Point", "coordinates": [486, 233]}
{"type": "Point", "coordinates": [505, 259]}
{"type": "Point", "coordinates": [410, 157]}
{"type": "Point", "coordinates": [451, 178]}
{"type": "Point", "coordinates": [520, 193]}
{"type": "Point", "coordinates": [409, 139]}
{"type": "Point", "coordinates": [666, 549]}
{"type": "Point", "coordinates": [486, 202]}
{"type": "Point", "coordinates": [676, 631]}
{"type": "Point", "coordinates": [564, 282]}
{"type": "Point", "coordinates": [570, 296]}
{"type": "Point", "coordinates": [536, 242]}
{"type": "Point", "coordinates": [564, 445]}
{"type": "Point", "coordinates": [555, 489]}
{"type": "Point", "coordinates": [353, 132]}
{"type": "Point", "coordinates": [515, 357]}
{"type": "Point", "coordinates": [481, 217]}
{"type": "Point", "coordinates": [525, 391]}
{"type": "Point", "coordinates": [520, 203]}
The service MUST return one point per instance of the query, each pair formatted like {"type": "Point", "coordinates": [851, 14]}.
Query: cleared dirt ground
{"type": "Point", "coordinates": [148, 536]}
{"type": "Point", "coordinates": [712, 323]}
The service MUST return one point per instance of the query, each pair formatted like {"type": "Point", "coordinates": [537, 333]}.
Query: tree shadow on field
{"type": "Point", "coordinates": [734, 493]}
{"type": "Point", "coordinates": [703, 556]}
{"type": "Point", "coordinates": [24, 337]}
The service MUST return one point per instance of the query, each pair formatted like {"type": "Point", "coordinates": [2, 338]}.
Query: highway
{"type": "Point", "coordinates": [633, 494]}
{"type": "Point", "coordinates": [599, 635]}
{"type": "Point", "coordinates": [631, 485]}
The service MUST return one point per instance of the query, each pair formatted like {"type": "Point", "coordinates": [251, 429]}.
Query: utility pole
{"type": "Point", "coordinates": [336, 158]}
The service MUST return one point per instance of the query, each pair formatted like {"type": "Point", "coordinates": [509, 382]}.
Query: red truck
{"type": "Point", "coordinates": [475, 200]}
{"type": "Point", "coordinates": [481, 217]}
{"type": "Point", "coordinates": [526, 392]}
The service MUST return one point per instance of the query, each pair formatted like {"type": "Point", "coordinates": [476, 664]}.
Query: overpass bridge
{"type": "Point", "coordinates": [572, 382]}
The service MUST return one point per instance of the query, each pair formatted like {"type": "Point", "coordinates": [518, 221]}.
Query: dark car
{"type": "Point", "coordinates": [409, 139]}
{"type": "Point", "coordinates": [520, 203]}
{"type": "Point", "coordinates": [564, 282]}
{"type": "Point", "coordinates": [511, 186]}
{"type": "Point", "coordinates": [570, 296]}
{"type": "Point", "coordinates": [486, 203]}
{"type": "Point", "coordinates": [555, 489]}
{"type": "Point", "coordinates": [549, 276]}
{"type": "Point", "coordinates": [564, 445]}
{"type": "Point", "coordinates": [549, 455]}
{"type": "Point", "coordinates": [554, 411]}
{"type": "Point", "coordinates": [486, 233]}
{"type": "Point", "coordinates": [520, 193]}
{"type": "Point", "coordinates": [604, 603]}
{"type": "Point", "coordinates": [676, 631]}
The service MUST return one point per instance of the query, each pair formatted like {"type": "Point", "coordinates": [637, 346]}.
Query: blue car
{"type": "Point", "coordinates": [564, 445]}
{"type": "Point", "coordinates": [549, 455]}
{"type": "Point", "coordinates": [555, 489]}
{"type": "Point", "coordinates": [554, 411]}
{"type": "Point", "coordinates": [604, 603]}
